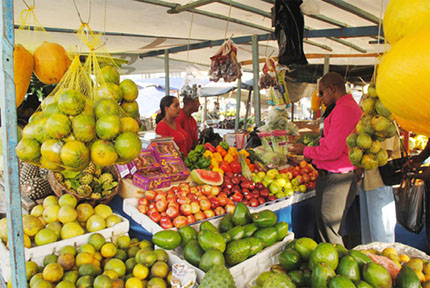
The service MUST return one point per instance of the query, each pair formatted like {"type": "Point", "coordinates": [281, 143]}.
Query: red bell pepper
{"type": "Point", "coordinates": [236, 168]}
{"type": "Point", "coordinates": [225, 167]}
{"type": "Point", "coordinates": [209, 147]}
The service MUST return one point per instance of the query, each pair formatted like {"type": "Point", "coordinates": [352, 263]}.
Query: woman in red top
{"type": "Point", "coordinates": [168, 126]}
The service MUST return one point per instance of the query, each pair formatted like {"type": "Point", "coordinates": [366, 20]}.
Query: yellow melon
{"type": "Point", "coordinates": [23, 65]}
{"type": "Point", "coordinates": [50, 62]}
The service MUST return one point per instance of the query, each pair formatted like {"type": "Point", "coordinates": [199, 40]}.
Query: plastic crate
{"type": "Point", "coordinates": [37, 253]}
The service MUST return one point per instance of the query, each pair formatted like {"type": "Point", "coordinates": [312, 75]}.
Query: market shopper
{"type": "Point", "coordinates": [187, 122]}
{"type": "Point", "coordinates": [168, 125]}
{"type": "Point", "coordinates": [336, 182]}
{"type": "Point", "coordinates": [377, 206]}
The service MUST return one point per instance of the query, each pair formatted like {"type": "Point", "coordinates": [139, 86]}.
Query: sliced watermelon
{"type": "Point", "coordinates": [200, 176]}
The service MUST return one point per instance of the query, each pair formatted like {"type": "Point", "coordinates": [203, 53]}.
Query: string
{"type": "Point", "coordinates": [28, 6]}
{"type": "Point", "coordinates": [189, 37]}
{"type": "Point", "coordinates": [379, 36]}
{"type": "Point", "coordinates": [79, 14]}
{"type": "Point", "coordinates": [228, 21]}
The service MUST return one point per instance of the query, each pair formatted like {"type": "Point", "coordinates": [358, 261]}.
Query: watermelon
{"type": "Point", "coordinates": [200, 176]}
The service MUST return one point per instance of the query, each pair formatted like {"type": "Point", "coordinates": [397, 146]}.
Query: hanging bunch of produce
{"type": "Point", "coordinates": [374, 127]}
{"type": "Point", "coordinates": [224, 63]}
{"type": "Point", "coordinates": [268, 79]}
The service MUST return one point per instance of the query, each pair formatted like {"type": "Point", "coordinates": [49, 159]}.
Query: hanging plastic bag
{"type": "Point", "coordinates": [269, 74]}
{"type": "Point", "coordinates": [224, 63]}
{"type": "Point", "coordinates": [191, 87]}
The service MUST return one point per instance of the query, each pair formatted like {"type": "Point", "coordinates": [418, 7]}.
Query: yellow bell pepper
{"type": "Point", "coordinates": [217, 169]}
{"type": "Point", "coordinates": [214, 163]}
{"type": "Point", "coordinates": [244, 153]}
{"type": "Point", "coordinates": [228, 158]}
{"type": "Point", "coordinates": [232, 151]}
{"type": "Point", "coordinates": [208, 154]}
{"type": "Point", "coordinates": [217, 156]}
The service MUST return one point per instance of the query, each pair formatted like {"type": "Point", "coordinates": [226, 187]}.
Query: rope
{"type": "Point", "coordinates": [379, 35]}
{"type": "Point", "coordinates": [29, 7]}
{"type": "Point", "coordinates": [228, 21]}
{"type": "Point", "coordinates": [189, 37]}
{"type": "Point", "coordinates": [79, 14]}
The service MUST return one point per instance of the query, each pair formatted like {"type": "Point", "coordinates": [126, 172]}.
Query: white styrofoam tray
{"type": "Point", "coordinates": [249, 269]}
{"type": "Point", "coordinates": [130, 208]}
{"type": "Point", "coordinates": [37, 253]}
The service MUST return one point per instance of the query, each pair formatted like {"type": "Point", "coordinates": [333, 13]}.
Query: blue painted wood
{"type": "Point", "coordinates": [166, 72]}
{"type": "Point", "coordinates": [238, 99]}
{"type": "Point", "coordinates": [256, 71]}
{"type": "Point", "coordinates": [9, 136]}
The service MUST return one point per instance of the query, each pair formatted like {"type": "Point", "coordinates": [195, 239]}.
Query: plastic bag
{"type": "Point", "coordinates": [279, 142]}
{"type": "Point", "coordinates": [191, 86]}
{"type": "Point", "coordinates": [269, 75]}
{"type": "Point", "coordinates": [410, 203]}
{"type": "Point", "coordinates": [224, 63]}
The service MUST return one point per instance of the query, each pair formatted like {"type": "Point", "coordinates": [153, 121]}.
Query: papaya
{"type": "Point", "coordinates": [341, 250]}
{"type": "Point", "coordinates": [206, 225]}
{"type": "Point", "coordinates": [407, 278]}
{"type": "Point", "coordinates": [50, 62]}
{"type": "Point", "coordinates": [305, 246]}
{"type": "Point", "coordinates": [23, 65]}
{"type": "Point", "coordinates": [269, 235]}
{"type": "Point", "coordinates": [297, 277]}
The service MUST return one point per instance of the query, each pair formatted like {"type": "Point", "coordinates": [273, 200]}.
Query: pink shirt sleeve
{"type": "Point", "coordinates": [333, 145]}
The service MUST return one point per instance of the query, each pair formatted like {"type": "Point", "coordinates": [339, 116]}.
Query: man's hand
{"type": "Point", "coordinates": [421, 173]}
{"type": "Point", "coordinates": [296, 149]}
{"type": "Point", "coordinates": [412, 164]}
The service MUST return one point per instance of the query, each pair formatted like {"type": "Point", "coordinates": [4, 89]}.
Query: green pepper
{"type": "Point", "coordinates": [200, 149]}
{"type": "Point", "coordinates": [204, 162]}
{"type": "Point", "coordinates": [224, 145]}
{"type": "Point", "coordinates": [193, 156]}
{"type": "Point", "coordinates": [187, 162]}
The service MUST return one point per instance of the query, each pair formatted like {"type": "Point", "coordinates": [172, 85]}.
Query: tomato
{"type": "Point", "coordinates": [143, 208]}
{"type": "Point", "coordinates": [180, 221]}
{"type": "Point", "coordinates": [172, 211]}
{"type": "Point", "coordinates": [166, 223]}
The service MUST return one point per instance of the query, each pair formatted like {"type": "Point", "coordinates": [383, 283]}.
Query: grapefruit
{"type": "Point", "coordinates": [128, 124]}
{"type": "Point", "coordinates": [109, 91]}
{"type": "Point", "coordinates": [58, 126]}
{"type": "Point", "coordinates": [53, 272]}
{"type": "Point", "coordinates": [46, 101]}
{"type": "Point", "coordinates": [50, 214]}
{"type": "Point", "coordinates": [68, 199]}
{"type": "Point", "coordinates": [50, 150]}
{"type": "Point", "coordinates": [128, 146]}
{"type": "Point", "coordinates": [30, 269]}
{"type": "Point", "coordinates": [50, 200]}
{"type": "Point", "coordinates": [75, 154]}
{"type": "Point", "coordinates": [71, 230]}
{"type": "Point", "coordinates": [71, 102]}
{"type": "Point", "coordinates": [84, 210]}
{"type": "Point", "coordinates": [39, 130]}
{"type": "Point", "coordinates": [108, 74]}
{"type": "Point", "coordinates": [56, 227]}
{"type": "Point", "coordinates": [36, 211]}
{"type": "Point", "coordinates": [97, 240]}
{"type": "Point", "coordinates": [105, 107]}
{"type": "Point", "coordinates": [31, 225]}
{"type": "Point", "coordinates": [28, 150]}
{"type": "Point", "coordinates": [51, 109]}
{"type": "Point", "coordinates": [67, 214]}
{"type": "Point", "coordinates": [103, 210]}
{"type": "Point", "coordinates": [84, 128]}
{"type": "Point", "coordinates": [103, 153]}
{"type": "Point", "coordinates": [113, 220]}
{"type": "Point", "coordinates": [129, 90]}
{"type": "Point", "coordinates": [45, 236]}
{"type": "Point", "coordinates": [45, 163]}
{"type": "Point", "coordinates": [35, 116]}
{"type": "Point", "coordinates": [132, 108]}
{"type": "Point", "coordinates": [95, 223]}
{"type": "Point", "coordinates": [108, 127]}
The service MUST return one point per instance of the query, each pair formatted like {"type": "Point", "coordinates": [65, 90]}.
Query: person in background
{"type": "Point", "coordinates": [336, 181]}
{"type": "Point", "coordinates": [187, 122]}
{"type": "Point", "coordinates": [168, 125]}
{"type": "Point", "coordinates": [377, 206]}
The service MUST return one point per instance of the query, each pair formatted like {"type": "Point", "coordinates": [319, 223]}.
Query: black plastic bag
{"type": "Point", "coordinates": [391, 173]}
{"type": "Point", "coordinates": [410, 203]}
{"type": "Point", "coordinates": [289, 25]}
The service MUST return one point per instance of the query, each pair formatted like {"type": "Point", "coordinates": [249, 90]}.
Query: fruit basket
{"type": "Point", "coordinates": [59, 189]}
{"type": "Point", "coordinates": [400, 248]}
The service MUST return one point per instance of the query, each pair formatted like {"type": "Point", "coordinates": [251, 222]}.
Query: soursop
{"type": "Point", "coordinates": [278, 280]}
{"type": "Point", "coordinates": [86, 179]}
{"type": "Point", "coordinates": [84, 190]}
{"type": "Point", "coordinates": [218, 277]}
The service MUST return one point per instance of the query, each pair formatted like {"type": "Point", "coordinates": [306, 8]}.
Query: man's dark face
{"type": "Point", "coordinates": [326, 93]}
{"type": "Point", "coordinates": [195, 105]}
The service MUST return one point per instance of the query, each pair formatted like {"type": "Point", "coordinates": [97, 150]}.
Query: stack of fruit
{"type": "Point", "coordinates": [238, 237]}
{"type": "Point", "coordinates": [184, 204]}
{"type": "Point", "coordinates": [375, 126]}
{"type": "Point", "coordinates": [59, 219]}
{"type": "Point", "coordinates": [100, 264]}
{"type": "Point", "coordinates": [69, 132]}
{"type": "Point", "coordinates": [304, 263]}
{"type": "Point", "coordinates": [91, 183]}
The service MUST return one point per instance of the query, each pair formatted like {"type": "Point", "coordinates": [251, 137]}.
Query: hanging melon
{"type": "Point", "coordinates": [402, 81]}
{"type": "Point", "coordinates": [315, 102]}
{"type": "Point", "coordinates": [404, 17]}
{"type": "Point", "coordinates": [50, 62]}
{"type": "Point", "coordinates": [23, 65]}
{"type": "Point", "coordinates": [417, 127]}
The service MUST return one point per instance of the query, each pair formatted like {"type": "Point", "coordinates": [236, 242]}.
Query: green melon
{"type": "Point", "coordinates": [84, 128]}
{"type": "Point", "coordinates": [128, 146]}
{"type": "Point", "coordinates": [108, 127]}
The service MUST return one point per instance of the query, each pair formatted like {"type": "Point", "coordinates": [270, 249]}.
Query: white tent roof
{"type": "Point", "coordinates": [155, 29]}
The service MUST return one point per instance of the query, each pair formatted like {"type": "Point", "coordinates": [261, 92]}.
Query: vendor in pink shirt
{"type": "Point", "coordinates": [336, 173]}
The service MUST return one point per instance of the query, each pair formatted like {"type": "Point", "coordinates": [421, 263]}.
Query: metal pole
{"type": "Point", "coordinates": [326, 63]}
{"type": "Point", "coordinates": [238, 97]}
{"type": "Point", "coordinates": [255, 69]}
{"type": "Point", "coordinates": [166, 72]}
{"type": "Point", "coordinates": [10, 139]}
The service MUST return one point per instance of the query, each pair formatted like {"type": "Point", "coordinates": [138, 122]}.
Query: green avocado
{"type": "Point", "coordinates": [227, 237]}
{"type": "Point", "coordinates": [363, 284]}
{"type": "Point", "coordinates": [321, 275]}
{"type": "Point", "coordinates": [305, 246]}
{"type": "Point", "coordinates": [341, 282]}
{"type": "Point", "coordinates": [291, 244]}
{"type": "Point", "coordinates": [360, 258]}
{"type": "Point", "coordinates": [226, 223]}
{"type": "Point", "coordinates": [193, 252]}
{"type": "Point", "coordinates": [187, 234]}
{"type": "Point", "coordinates": [256, 245]}
{"type": "Point", "coordinates": [307, 277]}
{"type": "Point", "coordinates": [297, 277]}
{"type": "Point", "coordinates": [325, 252]}
{"type": "Point", "coordinates": [250, 229]}
{"type": "Point", "coordinates": [211, 258]}
{"type": "Point", "coordinates": [236, 233]}
{"type": "Point", "coordinates": [349, 268]}
{"type": "Point", "coordinates": [237, 251]}
{"type": "Point", "coordinates": [376, 275]}
{"type": "Point", "coordinates": [206, 225]}
{"type": "Point", "coordinates": [264, 219]}
{"type": "Point", "coordinates": [282, 229]}
{"type": "Point", "coordinates": [269, 235]}
{"type": "Point", "coordinates": [290, 259]}
{"type": "Point", "coordinates": [167, 239]}
{"type": "Point", "coordinates": [241, 215]}
{"type": "Point", "coordinates": [209, 239]}
{"type": "Point", "coordinates": [407, 278]}
{"type": "Point", "coordinates": [341, 251]}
